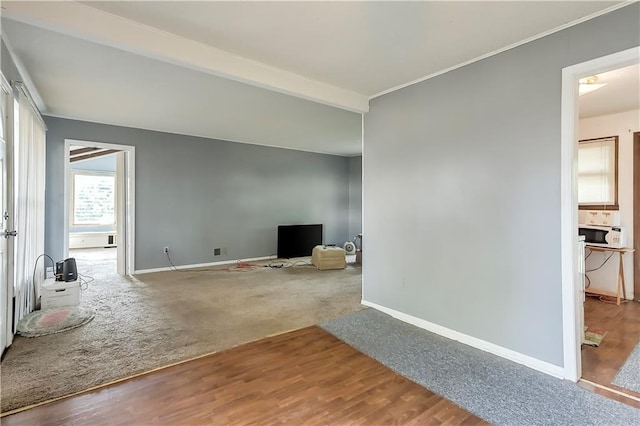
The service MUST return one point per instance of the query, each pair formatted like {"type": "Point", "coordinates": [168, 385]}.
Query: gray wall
{"type": "Point", "coordinates": [7, 65]}
{"type": "Point", "coordinates": [462, 191]}
{"type": "Point", "coordinates": [195, 194]}
{"type": "Point", "coordinates": [355, 196]}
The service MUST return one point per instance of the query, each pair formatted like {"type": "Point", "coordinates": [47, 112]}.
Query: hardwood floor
{"type": "Point", "coordinates": [622, 324]}
{"type": "Point", "coordinates": [302, 377]}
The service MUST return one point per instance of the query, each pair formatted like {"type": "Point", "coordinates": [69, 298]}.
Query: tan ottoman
{"type": "Point", "coordinates": [324, 257]}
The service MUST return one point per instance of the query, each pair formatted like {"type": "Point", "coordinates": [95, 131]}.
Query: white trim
{"type": "Point", "coordinates": [6, 280]}
{"type": "Point", "coordinates": [504, 49]}
{"type": "Point", "coordinates": [10, 158]}
{"type": "Point", "coordinates": [26, 78]}
{"type": "Point", "coordinates": [128, 239]}
{"type": "Point", "coordinates": [79, 20]}
{"type": "Point", "coordinates": [362, 183]}
{"type": "Point", "coordinates": [483, 345]}
{"type": "Point", "coordinates": [572, 309]}
{"type": "Point", "coordinates": [200, 265]}
{"type": "Point", "coordinates": [121, 221]}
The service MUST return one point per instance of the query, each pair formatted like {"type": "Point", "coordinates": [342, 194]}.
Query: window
{"type": "Point", "coordinates": [598, 174]}
{"type": "Point", "coordinates": [94, 198]}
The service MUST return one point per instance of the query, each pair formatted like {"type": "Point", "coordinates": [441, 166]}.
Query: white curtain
{"type": "Point", "coordinates": [29, 163]}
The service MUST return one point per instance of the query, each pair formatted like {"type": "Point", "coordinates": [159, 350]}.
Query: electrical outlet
{"type": "Point", "coordinates": [49, 272]}
{"type": "Point", "coordinates": [217, 251]}
{"type": "Point", "coordinates": [166, 250]}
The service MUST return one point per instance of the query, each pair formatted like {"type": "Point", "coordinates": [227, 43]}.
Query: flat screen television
{"type": "Point", "coordinates": [298, 240]}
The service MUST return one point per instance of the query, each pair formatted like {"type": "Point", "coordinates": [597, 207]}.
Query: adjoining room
{"type": "Point", "coordinates": [320, 212]}
{"type": "Point", "coordinates": [608, 216]}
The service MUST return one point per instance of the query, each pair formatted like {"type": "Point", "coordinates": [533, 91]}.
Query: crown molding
{"type": "Point", "coordinates": [504, 49]}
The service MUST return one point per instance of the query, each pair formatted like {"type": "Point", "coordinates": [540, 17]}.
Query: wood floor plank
{"type": "Point", "coordinates": [622, 324]}
{"type": "Point", "coordinates": [303, 377]}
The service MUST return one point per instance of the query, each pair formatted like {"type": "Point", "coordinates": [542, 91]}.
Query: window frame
{"type": "Point", "coordinates": [615, 205]}
{"type": "Point", "coordinates": [72, 215]}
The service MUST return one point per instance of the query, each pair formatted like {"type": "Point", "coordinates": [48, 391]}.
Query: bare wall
{"type": "Point", "coordinates": [355, 196]}
{"type": "Point", "coordinates": [462, 191]}
{"type": "Point", "coordinates": [194, 194]}
{"type": "Point", "coordinates": [9, 69]}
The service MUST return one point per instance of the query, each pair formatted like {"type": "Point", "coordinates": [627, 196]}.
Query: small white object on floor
{"type": "Point", "coordinates": [55, 294]}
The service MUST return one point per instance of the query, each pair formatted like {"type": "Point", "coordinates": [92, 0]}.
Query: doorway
{"type": "Point", "coordinates": [93, 236]}
{"type": "Point", "coordinates": [573, 278]}
{"type": "Point", "coordinates": [611, 318]}
{"type": "Point", "coordinates": [597, 367]}
{"type": "Point", "coordinates": [123, 191]}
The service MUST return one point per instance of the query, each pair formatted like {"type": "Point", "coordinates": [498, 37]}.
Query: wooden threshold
{"type": "Point", "coordinates": [305, 377]}
{"type": "Point", "coordinates": [610, 392]}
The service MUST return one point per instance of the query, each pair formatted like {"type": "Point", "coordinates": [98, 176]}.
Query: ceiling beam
{"type": "Point", "coordinates": [93, 155]}
{"type": "Point", "coordinates": [80, 151]}
{"type": "Point", "coordinates": [78, 20]}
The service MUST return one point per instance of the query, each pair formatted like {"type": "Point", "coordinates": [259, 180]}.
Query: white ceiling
{"type": "Point", "coordinates": [367, 47]}
{"type": "Point", "coordinates": [287, 74]}
{"type": "Point", "coordinates": [91, 82]}
{"type": "Point", "coordinates": [622, 93]}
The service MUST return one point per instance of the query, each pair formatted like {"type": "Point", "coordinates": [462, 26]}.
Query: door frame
{"type": "Point", "coordinates": [126, 209]}
{"type": "Point", "coordinates": [636, 216]}
{"type": "Point", "coordinates": [572, 306]}
{"type": "Point", "coordinates": [7, 269]}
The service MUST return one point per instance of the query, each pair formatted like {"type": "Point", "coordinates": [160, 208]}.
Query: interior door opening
{"type": "Point", "coordinates": [605, 265]}
{"type": "Point", "coordinates": [93, 236]}
{"type": "Point", "coordinates": [611, 318]}
{"type": "Point", "coordinates": [99, 207]}
{"type": "Point", "coordinates": [572, 278]}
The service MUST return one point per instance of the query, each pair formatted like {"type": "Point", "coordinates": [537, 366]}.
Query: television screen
{"type": "Point", "coordinates": [298, 240]}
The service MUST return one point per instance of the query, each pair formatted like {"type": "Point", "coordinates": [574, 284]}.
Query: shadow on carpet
{"type": "Point", "coordinates": [628, 376]}
{"type": "Point", "coordinates": [493, 388]}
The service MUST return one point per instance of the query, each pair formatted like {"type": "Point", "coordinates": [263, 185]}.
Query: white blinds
{"type": "Point", "coordinates": [597, 172]}
{"type": "Point", "coordinates": [29, 161]}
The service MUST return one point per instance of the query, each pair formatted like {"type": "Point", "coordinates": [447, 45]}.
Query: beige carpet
{"type": "Point", "coordinates": [156, 319]}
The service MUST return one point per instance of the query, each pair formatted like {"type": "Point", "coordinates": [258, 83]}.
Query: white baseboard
{"type": "Point", "coordinates": [200, 265]}
{"type": "Point", "coordinates": [536, 364]}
